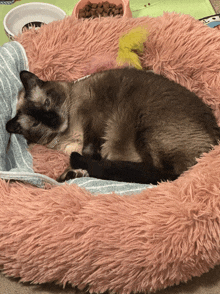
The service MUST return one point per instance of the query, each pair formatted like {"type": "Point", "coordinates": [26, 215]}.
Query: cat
{"type": "Point", "coordinates": [137, 126]}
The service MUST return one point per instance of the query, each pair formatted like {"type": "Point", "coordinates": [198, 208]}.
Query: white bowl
{"type": "Point", "coordinates": [36, 13]}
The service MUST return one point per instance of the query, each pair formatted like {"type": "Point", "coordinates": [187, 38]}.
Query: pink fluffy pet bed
{"type": "Point", "coordinates": [143, 242]}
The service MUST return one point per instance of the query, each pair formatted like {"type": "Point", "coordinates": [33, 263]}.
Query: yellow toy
{"type": "Point", "coordinates": [130, 42]}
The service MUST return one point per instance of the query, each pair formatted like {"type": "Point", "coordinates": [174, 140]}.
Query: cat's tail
{"type": "Point", "coordinates": [126, 171]}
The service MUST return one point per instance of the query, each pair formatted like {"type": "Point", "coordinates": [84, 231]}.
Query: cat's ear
{"type": "Point", "coordinates": [30, 80]}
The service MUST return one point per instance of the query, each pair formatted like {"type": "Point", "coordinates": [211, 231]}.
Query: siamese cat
{"type": "Point", "coordinates": [137, 126]}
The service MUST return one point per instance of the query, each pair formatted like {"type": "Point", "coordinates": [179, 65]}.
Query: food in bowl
{"type": "Point", "coordinates": [100, 9]}
{"type": "Point", "coordinates": [29, 15]}
{"type": "Point", "coordinates": [33, 24]}
{"type": "Point", "coordinates": [96, 8]}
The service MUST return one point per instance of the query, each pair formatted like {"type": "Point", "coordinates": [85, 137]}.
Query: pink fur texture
{"type": "Point", "coordinates": [143, 242]}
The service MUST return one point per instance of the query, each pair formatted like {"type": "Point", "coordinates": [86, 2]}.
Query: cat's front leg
{"type": "Point", "coordinates": [91, 143]}
{"type": "Point", "coordinates": [90, 150]}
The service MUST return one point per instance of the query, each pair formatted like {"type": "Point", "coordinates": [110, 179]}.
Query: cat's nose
{"type": "Point", "coordinates": [13, 126]}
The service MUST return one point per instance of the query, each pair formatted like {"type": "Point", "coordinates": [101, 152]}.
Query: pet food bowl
{"type": "Point", "coordinates": [125, 5]}
{"type": "Point", "coordinates": [29, 15]}
{"type": "Point", "coordinates": [212, 21]}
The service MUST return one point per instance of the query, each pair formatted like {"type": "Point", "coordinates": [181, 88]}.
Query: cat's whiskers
{"type": "Point", "coordinates": [41, 140]}
{"type": "Point", "coordinates": [54, 142]}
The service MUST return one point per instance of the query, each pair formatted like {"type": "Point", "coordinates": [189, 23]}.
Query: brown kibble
{"type": "Point", "coordinates": [93, 12]}
{"type": "Point", "coordinates": [100, 10]}
{"type": "Point", "coordinates": [87, 8]}
{"type": "Point", "coordinates": [82, 14]}
{"type": "Point", "coordinates": [88, 13]}
{"type": "Point", "coordinates": [105, 7]}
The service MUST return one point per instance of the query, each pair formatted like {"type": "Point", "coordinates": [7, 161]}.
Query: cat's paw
{"type": "Point", "coordinates": [77, 161]}
{"type": "Point", "coordinates": [67, 175]}
{"type": "Point", "coordinates": [70, 174]}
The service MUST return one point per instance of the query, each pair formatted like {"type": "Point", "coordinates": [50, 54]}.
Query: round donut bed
{"type": "Point", "coordinates": [142, 242]}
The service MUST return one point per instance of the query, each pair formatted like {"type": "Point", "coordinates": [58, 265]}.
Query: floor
{"type": "Point", "coordinates": [208, 283]}
{"type": "Point", "coordinates": [216, 5]}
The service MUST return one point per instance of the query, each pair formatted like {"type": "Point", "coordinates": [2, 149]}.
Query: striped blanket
{"type": "Point", "coordinates": [15, 160]}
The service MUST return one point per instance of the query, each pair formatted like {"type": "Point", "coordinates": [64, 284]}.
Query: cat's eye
{"type": "Point", "coordinates": [47, 102]}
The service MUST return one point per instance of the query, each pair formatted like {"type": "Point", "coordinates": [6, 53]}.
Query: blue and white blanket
{"type": "Point", "coordinates": [15, 160]}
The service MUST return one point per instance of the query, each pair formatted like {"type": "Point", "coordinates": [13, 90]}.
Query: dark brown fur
{"type": "Point", "coordinates": [137, 126]}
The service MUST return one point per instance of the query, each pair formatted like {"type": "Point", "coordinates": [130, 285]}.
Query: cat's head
{"type": "Point", "coordinates": [42, 110]}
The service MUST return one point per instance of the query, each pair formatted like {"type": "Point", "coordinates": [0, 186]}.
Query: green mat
{"type": "Point", "coordinates": [196, 8]}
